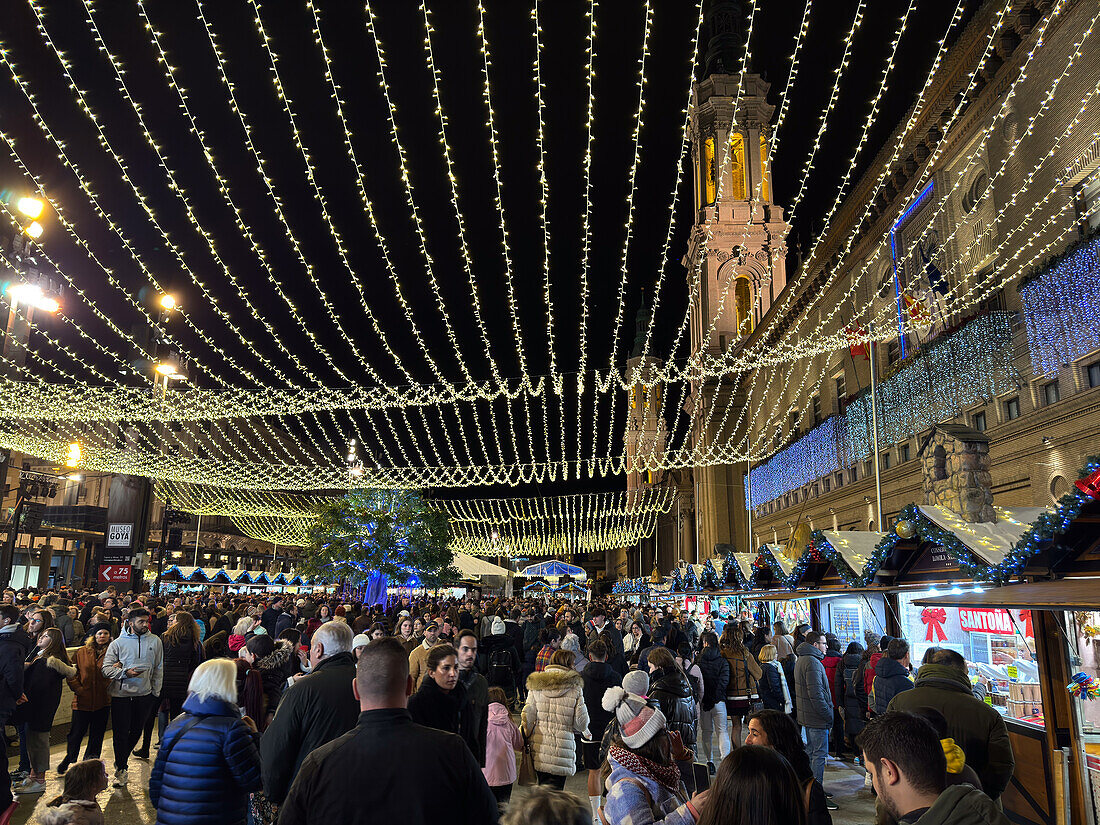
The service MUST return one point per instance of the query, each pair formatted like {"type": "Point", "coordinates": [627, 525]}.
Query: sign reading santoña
{"type": "Point", "coordinates": [986, 620]}
{"type": "Point", "coordinates": [120, 535]}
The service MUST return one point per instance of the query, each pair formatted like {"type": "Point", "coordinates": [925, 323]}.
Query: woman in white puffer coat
{"type": "Point", "coordinates": [554, 713]}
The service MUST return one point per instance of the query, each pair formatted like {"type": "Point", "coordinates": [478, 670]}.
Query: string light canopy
{"type": "Point", "coordinates": [303, 321]}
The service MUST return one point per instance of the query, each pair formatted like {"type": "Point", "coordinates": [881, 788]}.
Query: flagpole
{"type": "Point", "coordinates": [874, 426]}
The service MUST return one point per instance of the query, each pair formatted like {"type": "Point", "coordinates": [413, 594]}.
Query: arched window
{"type": "Point", "coordinates": [737, 166]}
{"type": "Point", "coordinates": [709, 176]}
{"type": "Point", "coordinates": [742, 298]}
{"type": "Point", "coordinates": [764, 193]}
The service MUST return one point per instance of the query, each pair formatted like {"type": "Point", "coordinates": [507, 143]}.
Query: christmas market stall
{"type": "Point", "coordinates": [1033, 646]}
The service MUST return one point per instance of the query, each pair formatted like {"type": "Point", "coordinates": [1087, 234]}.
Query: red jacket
{"type": "Point", "coordinates": [831, 662]}
{"type": "Point", "coordinates": [869, 673]}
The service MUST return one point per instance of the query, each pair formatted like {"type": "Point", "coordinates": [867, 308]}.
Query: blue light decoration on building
{"type": "Point", "coordinates": [908, 213]}
{"type": "Point", "coordinates": [1061, 307]}
{"type": "Point", "coordinates": [956, 370]}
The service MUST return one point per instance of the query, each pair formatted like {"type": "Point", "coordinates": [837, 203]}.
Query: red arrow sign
{"type": "Point", "coordinates": [115, 573]}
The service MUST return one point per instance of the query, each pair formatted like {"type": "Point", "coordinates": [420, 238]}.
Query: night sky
{"type": "Point", "coordinates": [457, 53]}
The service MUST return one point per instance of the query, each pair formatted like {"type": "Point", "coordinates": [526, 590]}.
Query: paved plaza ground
{"type": "Point", "coordinates": [132, 807]}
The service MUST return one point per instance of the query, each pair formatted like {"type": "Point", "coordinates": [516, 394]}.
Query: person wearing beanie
{"type": "Point", "coordinates": [554, 713]}
{"type": "Point", "coordinates": [572, 643]}
{"type": "Point", "coordinates": [645, 784]}
{"type": "Point", "coordinates": [500, 659]}
{"type": "Point", "coordinates": [360, 641]}
{"type": "Point", "coordinates": [91, 697]}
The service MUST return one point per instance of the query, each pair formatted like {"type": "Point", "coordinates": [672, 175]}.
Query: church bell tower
{"type": "Point", "coordinates": [736, 254]}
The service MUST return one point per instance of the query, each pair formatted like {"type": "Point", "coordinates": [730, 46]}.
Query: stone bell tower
{"type": "Point", "coordinates": [736, 253]}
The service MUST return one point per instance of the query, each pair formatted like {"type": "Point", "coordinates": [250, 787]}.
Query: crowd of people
{"type": "Point", "coordinates": [305, 709]}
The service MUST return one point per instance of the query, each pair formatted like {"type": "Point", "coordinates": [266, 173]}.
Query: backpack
{"type": "Point", "coordinates": [500, 666]}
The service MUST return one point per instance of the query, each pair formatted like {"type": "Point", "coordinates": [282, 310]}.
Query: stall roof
{"type": "Point", "coordinates": [990, 542]}
{"type": "Point", "coordinates": [472, 567]}
{"type": "Point", "coordinates": [1062, 594]}
{"type": "Point", "coordinates": [854, 546]}
{"type": "Point", "coordinates": [779, 553]}
{"type": "Point", "coordinates": [745, 562]}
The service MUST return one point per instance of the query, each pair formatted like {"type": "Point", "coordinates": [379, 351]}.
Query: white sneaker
{"type": "Point", "coordinates": [120, 778]}
{"type": "Point", "coordinates": [29, 785]}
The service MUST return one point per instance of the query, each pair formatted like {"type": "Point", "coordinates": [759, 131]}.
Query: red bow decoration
{"type": "Point", "coordinates": [1029, 628]}
{"type": "Point", "coordinates": [1090, 484]}
{"type": "Point", "coordinates": [934, 617]}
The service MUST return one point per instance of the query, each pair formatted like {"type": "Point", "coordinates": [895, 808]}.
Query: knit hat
{"type": "Point", "coordinates": [98, 626]}
{"type": "Point", "coordinates": [636, 682]}
{"type": "Point", "coordinates": [360, 640]}
{"type": "Point", "coordinates": [638, 720]}
{"type": "Point", "coordinates": [498, 626]}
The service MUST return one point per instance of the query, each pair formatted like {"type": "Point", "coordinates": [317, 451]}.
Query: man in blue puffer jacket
{"type": "Point", "coordinates": [208, 763]}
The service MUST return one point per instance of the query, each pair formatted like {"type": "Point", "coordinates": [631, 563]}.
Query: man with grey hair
{"type": "Point", "coordinates": [315, 710]}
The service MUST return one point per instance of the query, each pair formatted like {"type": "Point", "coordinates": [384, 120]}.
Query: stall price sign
{"type": "Point", "coordinates": [986, 620]}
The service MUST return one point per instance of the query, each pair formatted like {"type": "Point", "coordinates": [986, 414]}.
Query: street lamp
{"type": "Point", "coordinates": [31, 207]}
{"type": "Point", "coordinates": [31, 295]}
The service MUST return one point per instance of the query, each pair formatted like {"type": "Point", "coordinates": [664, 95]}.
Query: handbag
{"type": "Point", "coordinates": [527, 774]}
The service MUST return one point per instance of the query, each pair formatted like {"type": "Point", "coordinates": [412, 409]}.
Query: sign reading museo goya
{"type": "Point", "coordinates": [120, 535]}
{"type": "Point", "coordinates": [986, 620]}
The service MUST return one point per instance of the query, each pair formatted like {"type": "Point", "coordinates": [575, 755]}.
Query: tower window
{"type": "Point", "coordinates": [742, 294]}
{"type": "Point", "coordinates": [709, 176]}
{"type": "Point", "coordinates": [764, 193]}
{"type": "Point", "coordinates": [737, 166]}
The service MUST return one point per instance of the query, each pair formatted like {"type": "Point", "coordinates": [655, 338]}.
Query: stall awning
{"type": "Point", "coordinates": [991, 542]}
{"type": "Point", "coordinates": [856, 547]}
{"type": "Point", "coordinates": [1063, 594]}
{"type": "Point", "coordinates": [472, 567]}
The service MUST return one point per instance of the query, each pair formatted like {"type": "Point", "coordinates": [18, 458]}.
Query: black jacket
{"type": "Point", "coordinates": [493, 644]}
{"type": "Point", "coordinates": [473, 724]}
{"type": "Point", "coordinates": [12, 654]}
{"type": "Point", "coordinates": [598, 677]}
{"type": "Point", "coordinates": [370, 766]}
{"type": "Point", "coordinates": [891, 678]}
{"type": "Point", "coordinates": [716, 676]}
{"type": "Point", "coordinates": [317, 709]}
{"type": "Point", "coordinates": [672, 692]}
{"type": "Point", "coordinates": [847, 675]}
{"type": "Point", "coordinates": [433, 708]}
{"type": "Point", "coordinates": [180, 661]}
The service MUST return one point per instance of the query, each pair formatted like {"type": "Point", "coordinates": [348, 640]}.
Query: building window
{"type": "Point", "coordinates": [709, 176]}
{"type": "Point", "coordinates": [977, 421]}
{"type": "Point", "coordinates": [765, 195]}
{"type": "Point", "coordinates": [868, 469]}
{"type": "Point", "coordinates": [893, 351]}
{"type": "Point", "coordinates": [840, 479]}
{"type": "Point", "coordinates": [975, 191]}
{"type": "Point", "coordinates": [939, 463]}
{"type": "Point", "coordinates": [1088, 203]}
{"type": "Point", "coordinates": [793, 422]}
{"type": "Point", "coordinates": [1050, 393]}
{"type": "Point", "coordinates": [826, 485]}
{"type": "Point", "coordinates": [841, 393]}
{"type": "Point", "coordinates": [886, 461]}
{"type": "Point", "coordinates": [903, 453]}
{"type": "Point", "coordinates": [816, 400]}
{"type": "Point", "coordinates": [1094, 374]}
{"type": "Point", "coordinates": [1012, 408]}
{"type": "Point", "coordinates": [742, 297]}
{"type": "Point", "coordinates": [737, 166]}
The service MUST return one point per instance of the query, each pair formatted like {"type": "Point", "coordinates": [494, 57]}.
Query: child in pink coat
{"type": "Point", "coordinates": [502, 742]}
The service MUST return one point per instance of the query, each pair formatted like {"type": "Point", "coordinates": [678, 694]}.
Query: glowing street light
{"type": "Point", "coordinates": [31, 295]}
{"type": "Point", "coordinates": [32, 208]}
{"type": "Point", "coordinates": [33, 230]}
{"type": "Point", "coordinates": [168, 302]}
{"type": "Point", "coordinates": [75, 455]}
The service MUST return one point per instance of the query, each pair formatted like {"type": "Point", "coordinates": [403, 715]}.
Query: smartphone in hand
{"type": "Point", "coordinates": [702, 776]}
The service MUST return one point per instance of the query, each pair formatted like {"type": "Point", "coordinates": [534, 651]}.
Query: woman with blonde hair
{"type": "Point", "coordinates": [554, 713]}
{"type": "Point", "coordinates": [208, 763]}
{"type": "Point", "coordinates": [774, 691]}
{"type": "Point", "coordinates": [745, 676]}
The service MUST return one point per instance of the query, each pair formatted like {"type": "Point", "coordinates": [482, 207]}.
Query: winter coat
{"type": "Point", "coordinates": [502, 742]}
{"type": "Point", "coordinates": [672, 692]}
{"type": "Point", "coordinates": [503, 674]}
{"type": "Point", "coordinates": [554, 712]}
{"type": "Point", "coordinates": [814, 703]}
{"type": "Point", "coordinates": [418, 663]}
{"type": "Point", "coordinates": [12, 654]}
{"type": "Point", "coordinates": [716, 676]}
{"type": "Point", "coordinates": [317, 709]}
{"type": "Point", "coordinates": [846, 675]}
{"type": "Point", "coordinates": [598, 677]}
{"type": "Point", "coordinates": [963, 805]}
{"type": "Point", "coordinates": [89, 685]}
{"type": "Point", "coordinates": [431, 707]}
{"type": "Point", "coordinates": [42, 686]}
{"type": "Point", "coordinates": [209, 772]}
{"type": "Point", "coordinates": [975, 726]}
{"type": "Point", "coordinates": [63, 622]}
{"type": "Point", "coordinates": [268, 619]}
{"type": "Point", "coordinates": [832, 664]}
{"type": "Point", "coordinates": [474, 719]}
{"type": "Point", "coordinates": [891, 678]}
{"type": "Point", "coordinates": [640, 800]}
{"type": "Point", "coordinates": [784, 647]}
{"type": "Point", "coordinates": [180, 661]}
{"type": "Point", "coordinates": [367, 775]}
{"type": "Point", "coordinates": [129, 651]}
{"type": "Point", "coordinates": [869, 674]}
{"type": "Point", "coordinates": [744, 673]}
{"type": "Point", "coordinates": [771, 686]}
